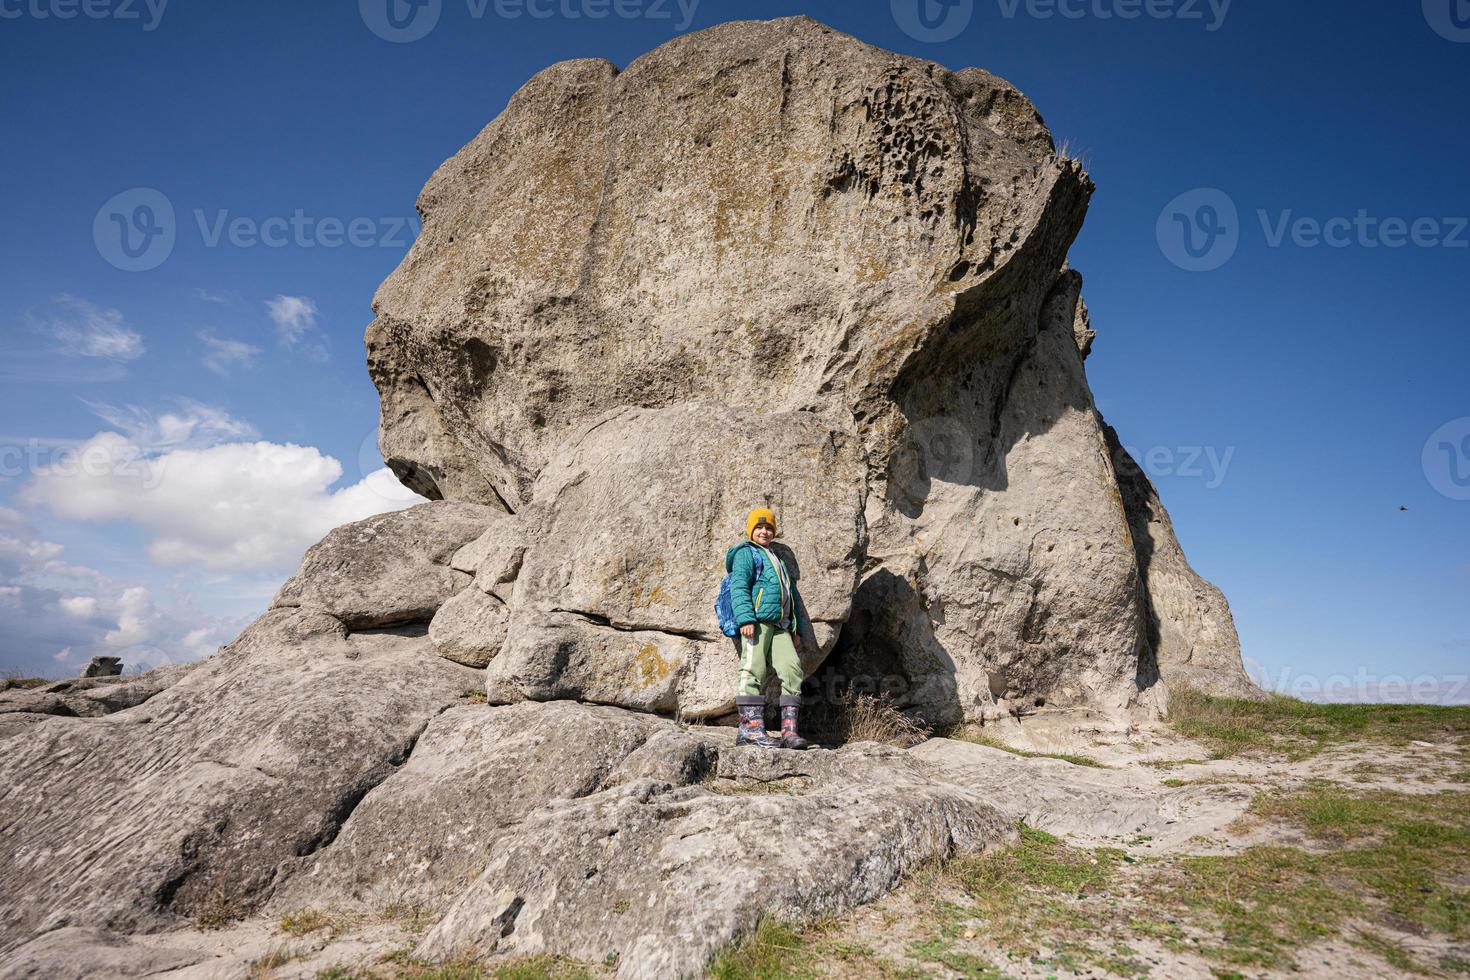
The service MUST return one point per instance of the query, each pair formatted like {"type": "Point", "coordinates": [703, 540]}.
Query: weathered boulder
{"type": "Point", "coordinates": [104, 667]}
{"type": "Point", "coordinates": [776, 217]}
{"type": "Point", "coordinates": [639, 870]}
{"type": "Point", "coordinates": [188, 803]}
{"type": "Point", "coordinates": [470, 628]}
{"type": "Point", "coordinates": [474, 773]}
{"type": "Point", "coordinates": [1005, 572]}
{"type": "Point", "coordinates": [389, 569]}
{"type": "Point", "coordinates": [591, 830]}
{"type": "Point", "coordinates": [625, 539]}
{"type": "Point", "coordinates": [92, 696]}
{"type": "Point", "coordinates": [1191, 635]}
{"type": "Point", "coordinates": [772, 214]}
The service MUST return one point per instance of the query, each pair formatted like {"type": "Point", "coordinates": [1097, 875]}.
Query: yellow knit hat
{"type": "Point", "coordinates": [758, 516]}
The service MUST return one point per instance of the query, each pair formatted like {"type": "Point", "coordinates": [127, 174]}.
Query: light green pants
{"type": "Point", "coordinates": [770, 647]}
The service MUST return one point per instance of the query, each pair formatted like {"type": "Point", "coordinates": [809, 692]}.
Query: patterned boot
{"type": "Point", "coordinates": [752, 708]}
{"type": "Point", "coordinates": [790, 712]}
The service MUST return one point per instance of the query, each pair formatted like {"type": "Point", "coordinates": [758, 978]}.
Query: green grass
{"type": "Point", "coordinates": [776, 950]}
{"type": "Point", "coordinates": [980, 738]}
{"type": "Point", "coordinates": [1392, 952]}
{"type": "Point", "coordinates": [1299, 729]}
{"type": "Point", "coordinates": [1403, 849]}
{"type": "Point", "coordinates": [300, 922]}
{"type": "Point", "coordinates": [1253, 909]}
{"type": "Point", "coordinates": [1393, 857]}
{"type": "Point", "coordinates": [401, 966]}
{"type": "Point", "coordinates": [1388, 863]}
{"type": "Point", "coordinates": [785, 951]}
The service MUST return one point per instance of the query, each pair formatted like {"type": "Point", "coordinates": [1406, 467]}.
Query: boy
{"type": "Point", "coordinates": [768, 610]}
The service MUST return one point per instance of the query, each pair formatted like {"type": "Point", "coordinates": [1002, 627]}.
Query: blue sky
{"type": "Point", "coordinates": [1289, 399]}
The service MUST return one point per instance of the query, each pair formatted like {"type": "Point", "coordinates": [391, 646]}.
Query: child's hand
{"type": "Point", "coordinates": [748, 630]}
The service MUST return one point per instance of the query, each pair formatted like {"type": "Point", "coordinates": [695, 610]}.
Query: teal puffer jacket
{"type": "Point", "coordinates": [758, 600]}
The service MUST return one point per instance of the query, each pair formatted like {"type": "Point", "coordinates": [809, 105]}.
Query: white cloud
{"type": "Point", "coordinates": [293, 317]}
{"type": "Point", "coordinates": [233, 507]}
{"type": "Point", "coordinates": [136, 618]}
{"type": "Point", "coordinates": [235, 511]}
{"type": "Point", "coordinates": [86, 330]}
{"type": "Point", "coordinates": [194, 425]}
{"type": "Point", "coordinates": [79, 606]}
{"type": "Point", "coordinates": [222, 354]}
{"type": "Point", "coordinates": [48, 604]}
{"type": "Point", "coordinates": [209, 296]}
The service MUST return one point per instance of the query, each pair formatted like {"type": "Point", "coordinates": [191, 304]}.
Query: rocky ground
{"type": "Point", "coordinates": [1244, 840]}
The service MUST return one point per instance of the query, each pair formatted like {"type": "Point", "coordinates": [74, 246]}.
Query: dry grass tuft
{"type": "Point", "coordinates": [865, 718]}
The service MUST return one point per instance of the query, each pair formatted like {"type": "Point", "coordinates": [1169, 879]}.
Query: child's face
{"type": "Point", "coordinates": [763, 535]}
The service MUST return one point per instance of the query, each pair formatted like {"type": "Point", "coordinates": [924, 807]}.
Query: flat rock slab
{"type": "Point", "coordinates": [1090, 806]}
{"type": "Point", "coordinates": [659, 876]}
{"type": "Point", "coordinates": [197, 800]}
{"type": "Point", "coordinates": [78, 953]}
{"type": "Point", "coordinates": [390, 569]}
{"type": "Point", "coordinates": [586, 831]}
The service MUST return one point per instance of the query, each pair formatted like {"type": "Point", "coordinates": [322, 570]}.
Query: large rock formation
{"type": "Point", "coordinates": [775, 217]}
{"type": "Point", "coordinates": [628, 531]}
{"type": "Point", "coordinates": [765, 264]}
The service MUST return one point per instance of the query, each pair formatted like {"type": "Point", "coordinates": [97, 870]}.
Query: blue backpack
{"type": "Point", "coordinates": [725, 607]}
